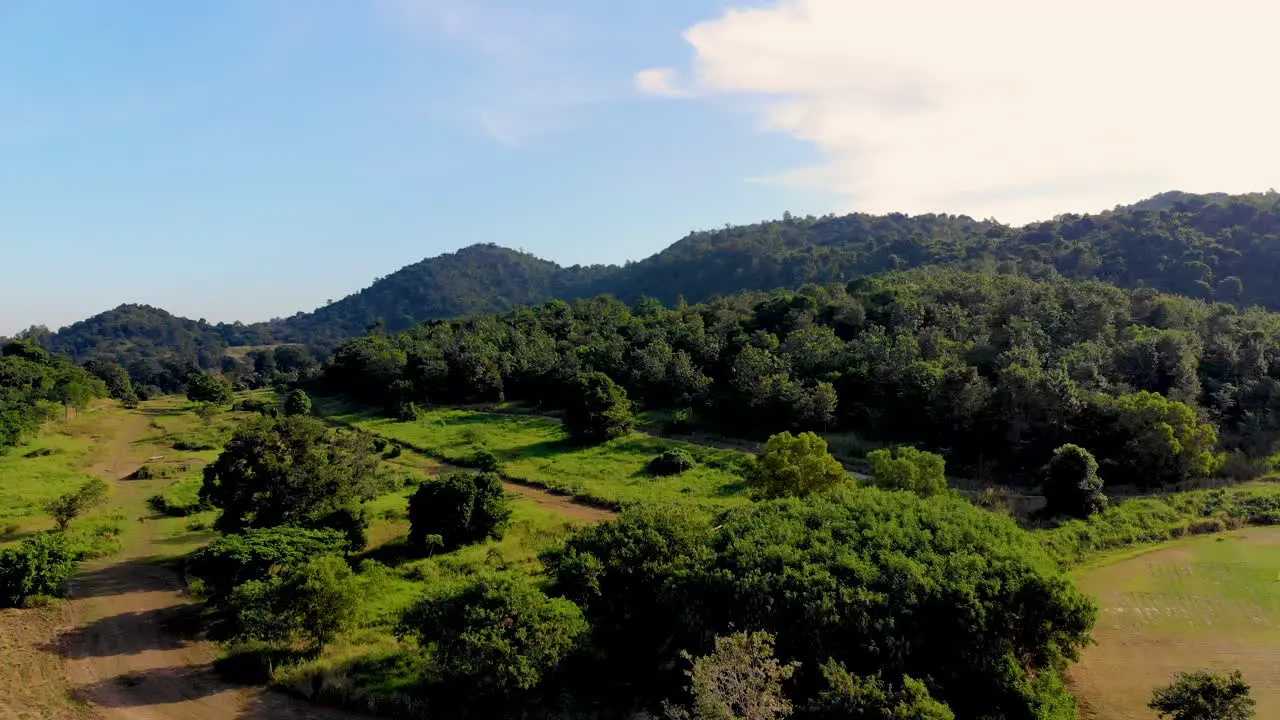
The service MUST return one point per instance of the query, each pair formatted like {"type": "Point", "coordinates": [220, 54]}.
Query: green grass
{"type": "Point", "coordinates": [535, 450]}
{"type": "Point", "coordinates": [1199, 603]}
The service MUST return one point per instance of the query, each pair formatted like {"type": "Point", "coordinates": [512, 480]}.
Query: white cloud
{"type": "Point", "coordinates": [1017, 109]}
{"type": "Point", "coordinates": [661, 82]}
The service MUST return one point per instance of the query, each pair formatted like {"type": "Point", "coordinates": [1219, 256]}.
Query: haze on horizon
{"type": "Point", "coordinates": [254, 158]}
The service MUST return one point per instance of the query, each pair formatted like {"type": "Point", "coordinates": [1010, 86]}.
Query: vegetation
{"type": "Point", "coordinates": [672, 462]}
{"type": "Point", "coordinates": [71, 505]}
{"type": "Point", "coordinates": [906, 468]}
{"type": "Point", "coordinates": [312, 602]}
{"type": "Point", "coordinates": [739, 679]}
{"type": "Point", "coordinates": [459, 509]}
{"type": "Point", "coordinates": [34, 385]}
{"type": "Point", "coordinates": [297, 403]}
{"type": "Point", "coordinates": [597, 410]}
{"type": "Point", "coordinates": [230, 561]}
{"type": "Point", "coordinates": [292, 471]}
{"type": "Point", "coordinates": [1072, 487]}
{"type": "Point", "coordinates": [1204, 696]}
{"type": "Point", "coordinates": [40, 565]}
{"type": "Point", "coordinates": [795, 466]}
{"type": "Point", "coordinates": [205, 389]}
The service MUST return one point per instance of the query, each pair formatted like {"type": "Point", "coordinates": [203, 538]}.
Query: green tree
{"type": "Point", "coordinates": [849, 697]}
{"type": "Point", "coordinates": [229, 561]}
{"type": "Point", "coordinates": [795, 465]}
{"type": "Point", "coordinates": [1167, 443]}
{"type": "Point", "coordinates": [314, 601]}
{"type": "Point", "coordinates": [289, 471]}
{"type": "Point", "coordinates": [205, 388]}
{"type": "Point", "coordinates": [207, 412]}
{"type": "Point", "coordinates": [740, 680]}
{"type": "Point", "coordinates": [498, 634]}
{"type": "Point", "coordinates": [69, 506]}
{"type": "Point", "coordinates": [1071, 483]}
{"type": "Point", "coordinates": [906, 468]}
{"type": "Point", "coordinates": [297, 403]}
{"type": "Point", "coordinates": [461, 508]}
{"type": "Point", "coordinates": [1204, 696]}
{"type": "Point", "coordinates": [39, 565]}
{"type": "Point", "coordinates": [597, 409]}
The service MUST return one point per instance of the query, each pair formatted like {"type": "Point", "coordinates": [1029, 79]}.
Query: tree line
{"type": "Point", "coordinates": [994, 371]}
{"type": "Point", "coordinates": [36, 386]}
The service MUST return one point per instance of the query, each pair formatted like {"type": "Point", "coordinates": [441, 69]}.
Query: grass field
{"type": "Point", "coordinates": [1209, 602]}
{"type": "Point", "coordinates": [535, 450]}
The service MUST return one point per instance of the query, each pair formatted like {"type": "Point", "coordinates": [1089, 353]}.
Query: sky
{"type": "Point", "coordinates": [249, 159]}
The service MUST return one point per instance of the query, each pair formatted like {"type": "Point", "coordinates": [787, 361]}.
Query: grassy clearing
{"type": "Point", "coordinates": [1199, 603]}
{"type": "Point", "coordinates": [535, 450]}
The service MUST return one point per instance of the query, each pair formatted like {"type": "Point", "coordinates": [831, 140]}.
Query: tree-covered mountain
{"type": "Point", "coordinates": [1211, 247]}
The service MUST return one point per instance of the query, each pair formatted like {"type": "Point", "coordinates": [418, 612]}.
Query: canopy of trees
{"type": "Point", "coordinates": [34, 386]}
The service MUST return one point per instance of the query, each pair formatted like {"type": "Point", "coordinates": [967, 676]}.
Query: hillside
{"type": "Point", "coordinates": [1211, 247]}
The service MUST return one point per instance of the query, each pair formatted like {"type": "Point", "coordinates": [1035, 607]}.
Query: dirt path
{"type": "Point", "coordinates": [128, 653]}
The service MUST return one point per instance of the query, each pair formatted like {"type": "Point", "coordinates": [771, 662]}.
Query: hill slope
{"type": "Point", "coordinates": [1213, 247]}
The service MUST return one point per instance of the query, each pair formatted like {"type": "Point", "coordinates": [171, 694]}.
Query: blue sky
{"type": "Point", "coordinates": [247, 159]}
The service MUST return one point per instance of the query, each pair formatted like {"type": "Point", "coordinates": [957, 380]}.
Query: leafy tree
{"type": "Point", "coordinates": [229, 561]}
{"type": "Point", "coordinates": [1166, 441]}
{"type": "Point", "coordinates": [297, 403]}
{"type": "Point", "coordinates": [289, 471]}
{"type": "Point", "coordinates": [497, 634]}
{"type": "Point", "coordinates": [315, 601]}
{"type": "Point", "coordinates": [1204, 696]}
{"type": "Point", "coordinates": [795, 465]}
{"type": "Point", "coordinates": [39, 565]}
{"type": "Point", "coordinates": [1072, 486]}
{"type": "Point", "coordinates": [119, 386]}
{"type": "Point", "coordinates": [906, 468]}
{"type": "Point", "coordinates": [460, 508]}
{"type": "Point", "coordinates": [485, 460]}
{"type": "Point", "coordinates": [739, 679]}
{"type": "Point", "coordinates": [869, 698]}
{"type": "Point", "coordinates": [69, 506]}
{"type": "Point", "coordinates": [672, 462]}
{"type": "Point", "coordinates": [205, 388]}
{"type": "Point", "coordinates": [207, 412]}
{"type": "Point", "coordinates": [596, 409]}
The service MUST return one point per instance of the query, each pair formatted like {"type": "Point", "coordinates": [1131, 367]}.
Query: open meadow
{"type": "Point", "coordinates": [1205, 603]}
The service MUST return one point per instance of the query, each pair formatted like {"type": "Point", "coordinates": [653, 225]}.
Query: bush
{"type": "Point", "coordinates": [297, 403]}
{"type": "Point", "coordinates": [498, 634]}
{"type": "Point", "coordinates": [1071, 485]}
{"type": "Point", "coordinates": [597, 409]}
{"type": "Point", "coordinates": [395, 452]}
{"type": "Point", "coordinates": [314, 601]}
{"type": "Point", "coordinates": [1204, 696]}
{"type": "Point", "coordinates": [40, 565]}
{"type": "Point", "coordinates": [485, 461]}
{"type": "Point", "coordinates": [461, 508]}
{"type": "Point", "coordinates": [232, 560]}
{"type": "Point", "coordinates": [906, 468]}
{"type": "Point", "coordinates": [795, 466]}
{"type": "Point", "coordinates": [672, 462]}
{"type": "Point", "coordinates": [69, 506]}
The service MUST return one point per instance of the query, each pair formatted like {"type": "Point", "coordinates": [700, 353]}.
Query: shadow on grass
{"type": "Point", "coordinates": [131, 633]}
{"type": "Point", "coordinates": [733, 489]}
{"type": "Point", "coordinates": [394, 553]}
{"type": "Point", "coordinates": [188, 538]}
{"type": "Point", "coordinates": [163, 412]}
{"type": "Point", "coordinates": [546, 448]}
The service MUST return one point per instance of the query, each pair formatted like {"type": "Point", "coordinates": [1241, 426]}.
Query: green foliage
{"type": "Point", "coordinates": [1204, 696]}
{"type": "Point", "coordinates": [1166, 441]}
{"type": "Point", "coordinates": [498, 634]}
{"type": "Point", "coordinates": [485, 461]}
{"type": "Point", "coordinates": [232, 560]}
{"type": "Point", "coordinates": [965, 597]}
{"type": "Point", "coordinates": [461, 508]}
{"type": "Point", "coordinates": [906, 468]}
{"type": "Point", "coordinates": [289, 471]}
{"type": "Point", "coordinates": [314, 601]}
{"type": "Point", "coordinates": [207, 412]}
{"type": "Point", "coordinates": [69, 506]}
{"type": "Point", "coordinates": [795, 466]}
{"type": "Point", "coordinates": [869, 698]}
{"type": "Point", "coordinates": [297, 403]}
{"type": "Point", "coordinates": [38, 566]}
{"type": "Point", "coordinates": [672, 462]}
{"type": "Point", "coordinates": [205, 388]}
{"type": "Point", "coordinates": [1071, 485]}
{"type": "Point", "coordinates": [596, 409]}
{"type": "Point", "coordinates": [32, 383]}
{"type": "Point", "coordinates": [739, 679]}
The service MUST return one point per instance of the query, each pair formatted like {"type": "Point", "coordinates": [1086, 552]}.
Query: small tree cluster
{"type": "Point", "coordinates": [740, 679]}
{"type": "Point", "coordinates": [1071, 484]}
{"type": "Point", "coordinates": [205, 388]}
{"type": "Point", "coordinates": [485, 460]}
{"type": "Point", "coordinates": [297, 403]}
{"type": "Point", "coordinates": [460, 508]}
{"type": "Point", "coordinates": [906, 468]}
{"type": "Point", "coordinates": [1204, 696]}
{"type": "Point", "coordinates": [40, 565]}
{"type": "Point", "coordinates": [795, 466]}
{"type": "Point", "coordinates": [596, 409]}
{"type": "Point", "coordinates": [672, 462]}
{"type": "Point", "coordinates": [313, 601]}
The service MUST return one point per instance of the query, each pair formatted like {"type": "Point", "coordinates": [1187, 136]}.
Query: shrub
{"type": "Point", "coordinates": [906, 468]}
{"type": "Point", "coordinates": [485, 461]}
{"type": "Point", "coordinates": [597, 409]}
{"type": "Point", "coordinates": [795, 466]}
{"type": "Point", "coordinates": [461, 508]}
{"type": "Point", "coordinates": [672, 462]}
{"type": "Point", "coordinates": [1204, 696]}
{"type": "Point", "coordinates": [232, 560]}
{"type": "Point", "coordinates": [498, 634]}
{"type": "Point", "coordinates": [395, 452]}
{"type": "Point", "coordinates": [314, 601]}
{"type": "Point", "coordinates": [1071, 485]}
{"type": "Point", "coordinates": [40, 565]}
{"type": "Point", "coordinates": [297, 403]}
{"type": "Point", "coordinates": [69, 506]}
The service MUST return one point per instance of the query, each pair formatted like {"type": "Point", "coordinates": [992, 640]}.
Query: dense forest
{"type": "Point", "coordinates": [36, 386]}
{"type": "Point", "coordinates": [1210, 247]}
{"type": "Point", "coordinates": [996, 371]}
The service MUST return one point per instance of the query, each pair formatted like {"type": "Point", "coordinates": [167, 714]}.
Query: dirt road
{"type": "Point", "coordinates": [128, 649]}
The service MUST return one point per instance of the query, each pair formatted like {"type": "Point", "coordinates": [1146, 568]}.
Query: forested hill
{"type": "Point", "coordinates": [1212, 247]}
{"type": "Point", "coordinates": [479, 278]}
